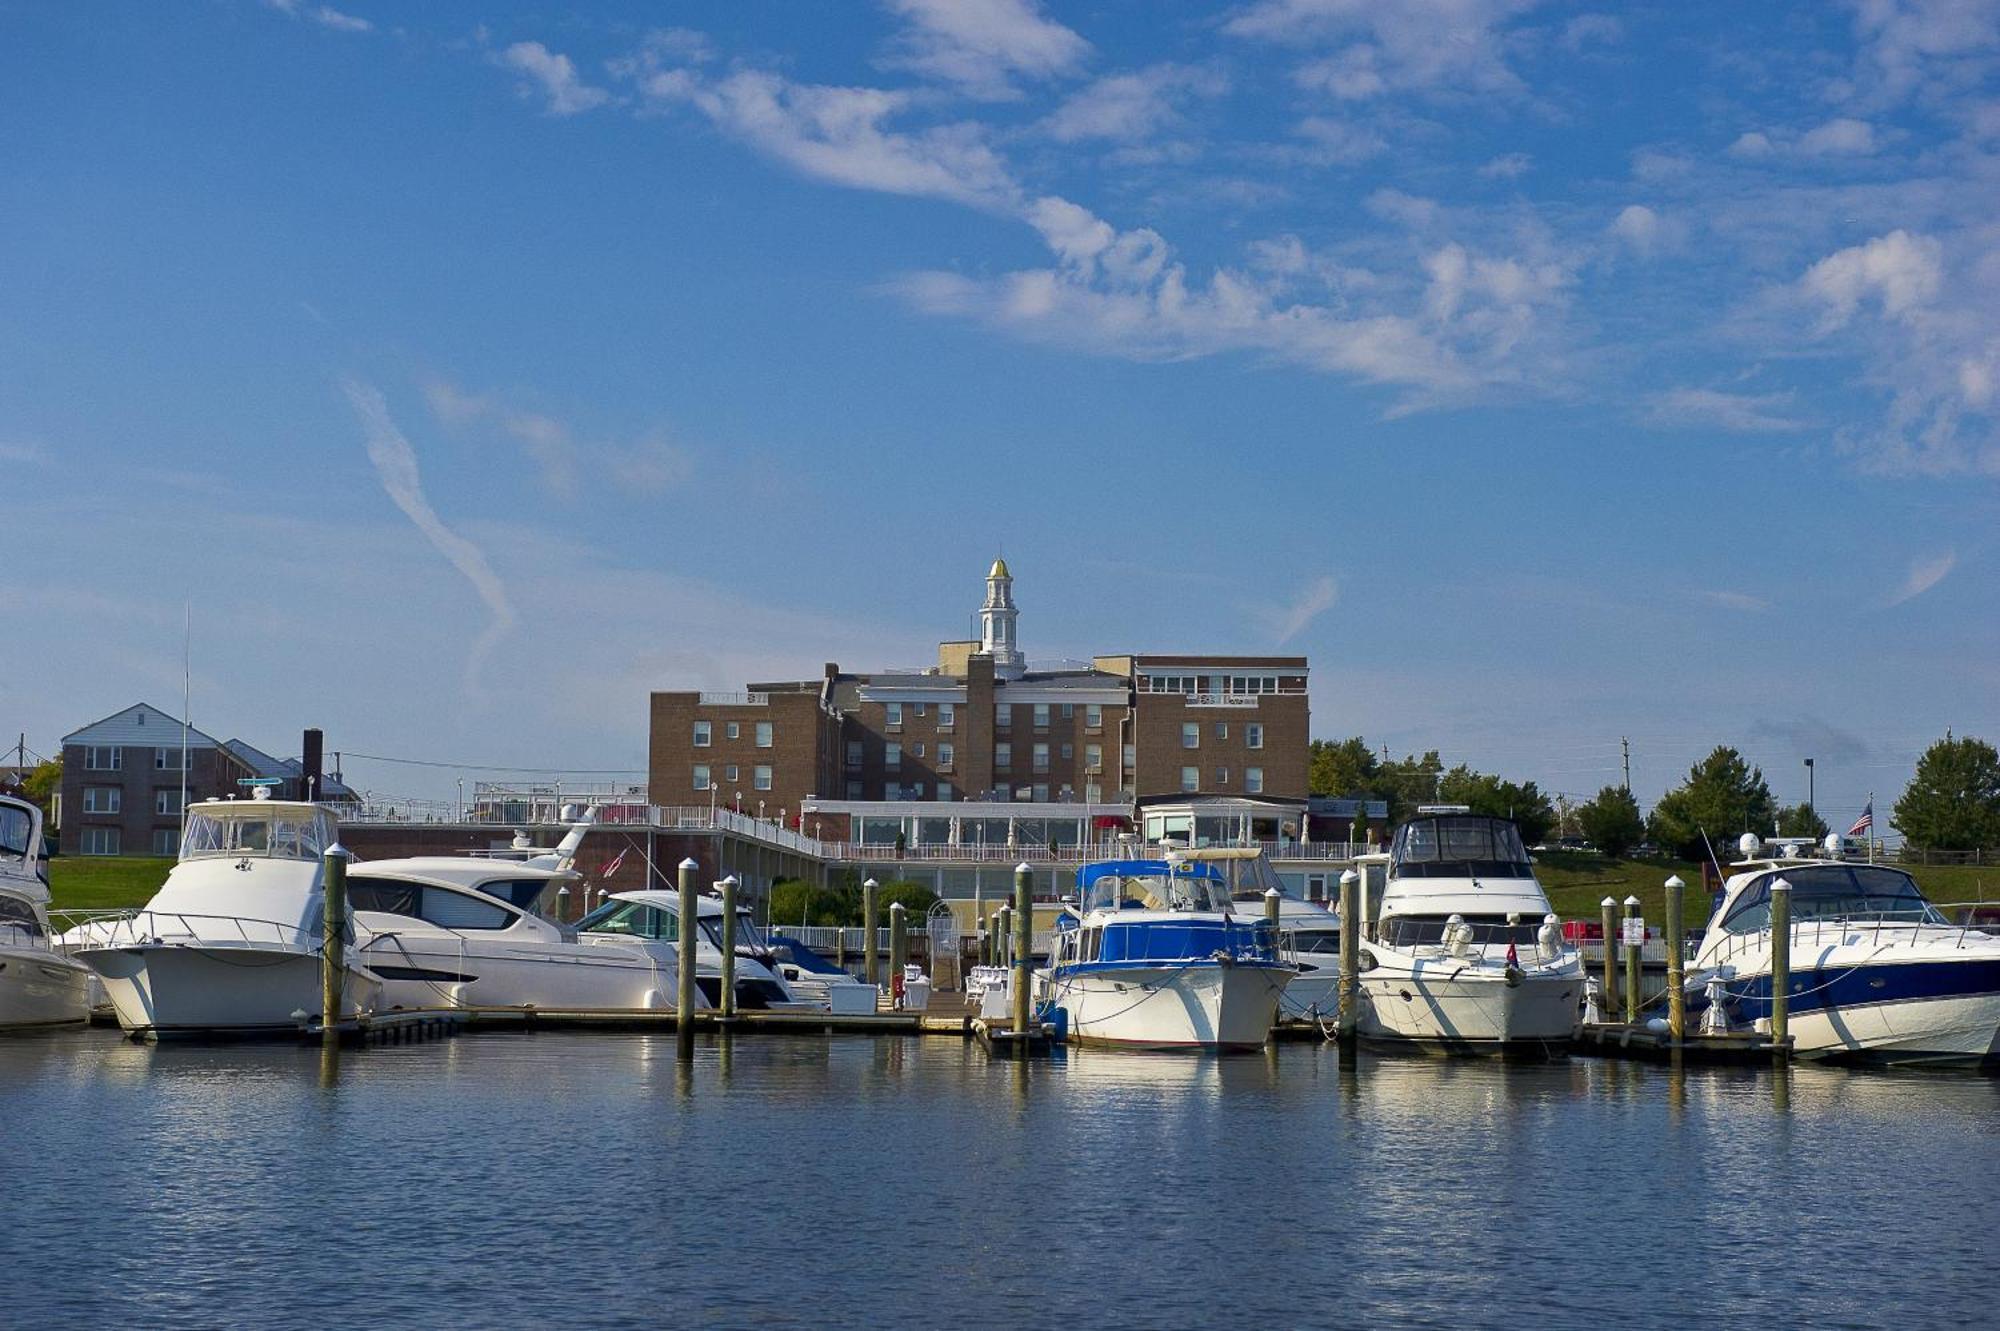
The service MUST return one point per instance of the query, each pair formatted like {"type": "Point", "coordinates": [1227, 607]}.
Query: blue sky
{"type": "Point", "coordinates": [1547, 373]}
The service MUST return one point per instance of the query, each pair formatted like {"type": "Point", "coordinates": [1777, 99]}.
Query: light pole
{"type": "Point", "coordinates": [711, 802]}
{"type": "Point", "coordinates": [760, 811]}
{"type": "Point", "coordinates": [461, 799]}
{"type": "Point", "coordinates": [1809, 784]}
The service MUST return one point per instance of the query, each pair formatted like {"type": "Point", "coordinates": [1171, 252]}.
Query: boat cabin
{"type": "Point", "coordinates": [1152, 911]}
{"type": "Point", "coordinates": [263, 828]}
{"type": "Point", "coordinates": [1824, 890]}
{"type": "Point", "coordinates": [1450, 862]}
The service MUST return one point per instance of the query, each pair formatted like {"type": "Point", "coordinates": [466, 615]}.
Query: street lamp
{"type": "Point", "coordinates": [1809, 783]}
{"type": "Point", "coordinates": [461, 799]}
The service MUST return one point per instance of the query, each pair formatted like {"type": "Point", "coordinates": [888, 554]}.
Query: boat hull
{"type": "Point", "coordinates": [40, 988]}
{"type": "Point", "coordinates": [1311, 994]}
{"type": "Point", "coordinates": [420, 973]}
{"type": "Point", "coordinates": [1198, 1005]}
{"type": "Point", "coordinates": [1936, 1013]}
{"type": "Point", "coordinates": [1441, 1005]}
{"type": "Point", "coordinates": [205, 989]}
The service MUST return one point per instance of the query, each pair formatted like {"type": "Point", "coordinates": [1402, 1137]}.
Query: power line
{"type": "Point", "coordinates": [490, 767]}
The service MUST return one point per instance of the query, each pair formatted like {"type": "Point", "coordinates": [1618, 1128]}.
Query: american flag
{"type": "Point", "coordinates": [1865, 822]}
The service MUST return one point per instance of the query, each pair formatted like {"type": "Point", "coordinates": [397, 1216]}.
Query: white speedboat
{"type": "Point", "coordinates": [1465, 955]}
{"type": "Point", "coordinates": [39, 985]}
{"type": "Point", "coordinates": [1878, 975]}
{"type": "Point", "coordinates": [230, 944]}
{"type": "Point", "coordinates": [1153, 959]}
{"type": "Point", "coordinates": [812, 978]}
{"type": "Point", "coordinates": [445, 931]}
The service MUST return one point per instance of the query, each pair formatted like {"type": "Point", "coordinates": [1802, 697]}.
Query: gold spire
{"type": "Point", "coordinates": [999, 570]}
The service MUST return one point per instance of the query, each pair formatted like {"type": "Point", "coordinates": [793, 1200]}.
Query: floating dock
{"type": "Point", "coordinates": [1647, 1045]}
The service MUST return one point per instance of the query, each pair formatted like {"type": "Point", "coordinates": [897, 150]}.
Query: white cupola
{"type": "Point", "coordinates": [998, 637]}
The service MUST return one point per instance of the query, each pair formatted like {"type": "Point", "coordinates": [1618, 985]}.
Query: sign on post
{"type": "Point", "coordinates": [1633, 933]}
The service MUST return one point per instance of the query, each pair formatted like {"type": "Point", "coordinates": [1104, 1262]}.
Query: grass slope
{"type": "Point", "coordinates": [1577, 883]}
{"type": "Point", "coordinates": [81, 882]}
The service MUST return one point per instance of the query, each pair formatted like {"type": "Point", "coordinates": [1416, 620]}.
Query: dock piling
{"type": "Point", "coordinates": [728, 995]}
{"type": "Point", "coordinates": [1024, 945]}
{"type": "Point", "coordinates": [562, 904]}
{"type": "Point", "coordinates": [333, 947]}
{"type": "Point", "coordinates": [871, 970]}
{"type": "Point", "coordinates": [1635, 941]}
{"type": "Point", "coordinates": [1003, 937]}
{"type": "Point", "coordinates": [1349, 1023]}
{"type": "Point", "coordinates": [684, 972]}
{"type": "Point", "coordinates": [1608, 914]}
{"type": "Point", "coordinates": [899, 945]}
{"type": "Point", "coordinates": [1781, 969]}
{"type": "Point", "coordinates": [1676, 980]}
{"type": "Point", "coordinates": [1272, 897]}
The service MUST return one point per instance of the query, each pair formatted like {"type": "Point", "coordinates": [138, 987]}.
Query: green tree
{"type": "Point", "coordinates": [1723, 796]}
{"type": "Point", "coordinates": [1801, 820]}
{"type": "Point", "coordinates": [1484, 793]}
{"type": "Point", "coordinates": [42, 784]}
{"type": "Point", "coordinates": [1611, 822]}
{"type": "Point", "coordinates": [1953, 799]}
{"type": "Point", "coordinates": [1409, 783]}
{"type": "Point", "coordinates": [1343, 767]}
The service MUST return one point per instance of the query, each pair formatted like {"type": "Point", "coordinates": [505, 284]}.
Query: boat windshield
{"type": "Point", "coordinates": [1428, 930]}
{"type": "Point", "coordinates": [632, 919]}
{"type": "Point", "coordinates": [1834, 892]}
{"type": "Point", "coordinates": [16, 827]}
{"type": "Point", "coordinates": [17, 915]}
{"type": "Point", "coordinates": [1156, 887]}
{"type": "Point", "coordinates": [1319, 942]}
{"type": "Point", "coordinates": [1460, 846]}
{"type": "Point", "coordinates": [278, 832]}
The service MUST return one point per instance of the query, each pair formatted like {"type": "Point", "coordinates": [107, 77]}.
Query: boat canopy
{"type": "Point", "coordinates": [275, 829]}
{"type": "Point", "coordinates": [1152, 885]}
{"type": "Point", "coordinates": [1246, 870]}
{"type": "Point", "coordinates": [1459, 845]}
{"type": "Point", "coordinates": [21, 849]}
{"type": "Point", "coordinates": [1829, 891]}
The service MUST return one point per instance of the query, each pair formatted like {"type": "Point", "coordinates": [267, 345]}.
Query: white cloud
{"type": "Point", "coordinates": [1924, 574]}
{"type": "Point", "coordinates": [647, 466]}
{"type": "Point", "coordinates": [1647, 232]}
{"type": "Point", "coordinates": [1901, 271]}
{"type": "Point", "coordinates": [396, 465]}
{"type": "Point", "coordinates": [1587, 30]}
{"type": "Point", "coordinates": [1752, 143]}
{"type": "Point", "coordinates": [1131, 107]}
{"type": "Point", "coordinates": [1507, 166]}
{"type": "Point", "coordinates": [981, 46]}
{"type": "Point", "coordinates": [1288, 621]}
{"type": "Point", "coordinates": [1742, 413]}
{"type": "Point", "coordinates": [1927, 46]}
{"type": "Point", "coordinates": [1330, 142]}
{"type": "Point", "coordinates": [836, 134]}
{"type": "Point", "coordinates": [1845, 136]}
{"type": "Point", "coordinates": [1455, 45]}
{"type": "Point", "coordinates": [1730, 600]}
{"type": "Point", "coordinates": [555, 77]}
{"type": "Point", "coordinates": [26, 455]}
{"type": "Point", "coordinates": [323, 15]}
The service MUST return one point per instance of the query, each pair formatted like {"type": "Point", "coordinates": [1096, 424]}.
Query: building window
{"type": "Point", "coordinates": [916, 790]}
{"type": "Point", "coordinates": [166, 841]}
{"type": "Point", "coordinates": [1041, 757]}
{"type": "Point", "coordinates": [730, 730]}
{"type": "Point", "coordinates": [701, 734]}
{"type": "Point", "coordinates": [168, 760]}
{"type": "Point", "coordinates": [917, 749]}
{"type": "Point", "coordinates": [944, 757]}
{"type": "Point", "coordinates": [1253, 735]}
{"type": "Point", "coordinates": [892, 756]}
{"type": "Point", "coordinates": [944, 791]}
{"type": "Point", "coordinates": [1253, 780]}
{"type": "Point", "coordinates": [1093, 717]}
{"type": "Point", "coordinates": [1068, 752]}
{"type": "Point", "coordinates": [1222, 730]}
{"type": "Point", "coordinates": [1093, 757]}
{"type": "Point", "coordinates": [1003, 755]}
{"type": "Point", "coordinates": [760, 778]}
{"type": "Point", "coordinates": [916, 709]}
{"type": "Point", "coordinates": [1041, 716]}
{"type": "Point", "coordinates": [947, 713]}
{"type": "Point", "coordinates": [1003, 715]}
{"type": "Point", "coordinates": [763, 734]}
{"type": "Point", "coordinates": [1222, 776]}
{"type": "Point", "coordinates": [101, 840]}
{"type": "Point", "coordinates": [166, 801]}
{"type": "Point", "coordinates": [103, 758]}
{"type": "Point", "coordinates": [1041, 794]}
{"type": "Point", "coordinates": [894, 717]}
{"type": "Point", "coordinates": [1069, 711]}
{"type": "Point", "coordinates": [1131, 756]}
{"type": "Point", "coordinates": [103, 799]}
{"type": "Point", "coordinates": [701, 781]}
{"type": "Point", "coordinates": [729, 773]}
{"type": "Point", "coordinates": [854, 753]}
{"type": "Point", "coordinates": [1190, 780]}
{"type": "Point", "coordinates": [892, 790]}
{"type": "Point", "coordinates": [1190, 734]}
{"type": "Point", "coordinates": [1003, 792]}
{"type": "Point", "coordinates": [854, 790]}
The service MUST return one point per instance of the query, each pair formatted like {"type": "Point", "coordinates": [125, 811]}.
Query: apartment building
{"type": "Point", "coordinates": [986, 725]}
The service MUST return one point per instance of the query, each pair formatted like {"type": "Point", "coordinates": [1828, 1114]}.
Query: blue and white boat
{"type": "Point", "coordinates": [1152, 958]}
{"type": "Point", "coordinates": [1878, 974]}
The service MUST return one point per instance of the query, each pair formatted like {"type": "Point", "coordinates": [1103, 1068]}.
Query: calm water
{"type": "Point", "coordinates": [510, 1179]}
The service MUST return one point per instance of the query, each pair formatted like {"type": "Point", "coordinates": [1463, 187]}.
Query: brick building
{"type": "Point", "coordinates": [983, 725]}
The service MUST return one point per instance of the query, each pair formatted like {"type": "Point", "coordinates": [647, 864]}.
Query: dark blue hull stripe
{"type": "Point", "coordinates": [1749, 997]}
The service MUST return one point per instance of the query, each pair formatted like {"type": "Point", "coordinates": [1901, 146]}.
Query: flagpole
{"type": "Point", "coordinates": [1871, 827]}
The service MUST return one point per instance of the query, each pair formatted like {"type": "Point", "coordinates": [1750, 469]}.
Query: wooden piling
{"type": "Point", "coordinates": [1633, 948]}
{"type": "Point", "coordinates": [684, 990]}
{"type": "Point", "coordinates": [1781, 968]}
{"type": "Point", "coordinates": [899, 943]}
{"type": "Point", "coordinates": [871, 969]}
{"type": "Point", "coordinates": [1272, 898]}
{"type": "Point", "coordinates": [1003, 936]}
{"type": "Point", "coordinates": [1349, 1024]}
{"type": "Point", "coordinates": [728, 886]}
{"type": "Point", "coordinates": [1676, 980]}
{"type": "Point", "coordinates": [1024, 944]}
{"type": "Point", "coordinates": [333, 946]}
{"type": "Point", "coordinates": [1608, 911]}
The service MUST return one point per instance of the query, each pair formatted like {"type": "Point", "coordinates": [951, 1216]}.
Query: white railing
{"type": "Point", "coordinates": [180, 927]}
{"type": "Point", "coordinates": [1816, 933]}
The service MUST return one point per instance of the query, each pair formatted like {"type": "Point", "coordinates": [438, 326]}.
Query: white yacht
{"type": "Point", "coordinates": [230, 944]}
{"type": "Point", "coordinates": [1465, 955]}
{"type": "Point", "coordinates": [1878, 975]}
{"type": "Point", "coordinates": [1308, 933]}
{"type": "Point", "coordinates": [39, 985]}
{"type": "Point", "coordinates": [444, 931]}
{"type": "Point", "coordinates": [1155, 960]}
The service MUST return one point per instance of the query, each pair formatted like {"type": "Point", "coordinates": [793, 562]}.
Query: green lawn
{"type": "Point", "coordinates": [90, 882]}
{"type": "Point", "coordinates": [1577, 883]}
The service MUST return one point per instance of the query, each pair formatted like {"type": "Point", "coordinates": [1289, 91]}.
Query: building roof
{"type": "Point", "coordinates": [262, 764]}
{"type": "Point", "coordinates": [999, 570]}
{"type": "Point", "coordinates": [140, 724]}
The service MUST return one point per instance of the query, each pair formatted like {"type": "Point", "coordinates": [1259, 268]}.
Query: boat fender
{"type": "Point", "coordinates": [1513, 977]}
{"type": "Point", "coordinates": [1365, 960]}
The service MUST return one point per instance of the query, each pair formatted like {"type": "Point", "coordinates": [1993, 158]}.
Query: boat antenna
{"type": "Point", "coordinates": [187, 694]}
{"type": "Point", "coordinates": [1719, 875]}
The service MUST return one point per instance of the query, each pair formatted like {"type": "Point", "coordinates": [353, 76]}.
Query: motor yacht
{"type": "Point", "coordinates": [39, 984]}
{"type": "Point", "coordinates": [1465, 955]}
{"type": "Point", "coordinates": [1308, 933]}
{"type": "Point", "coordinates": [230, 944]}
{"type": "Point", "coordinates": [1878, 974]}
{"type": "Point", "coordinates": [1152, 958]}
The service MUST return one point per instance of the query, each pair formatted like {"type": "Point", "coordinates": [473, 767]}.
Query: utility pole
{"type": "Point", "coordinates": [1625, 748]}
